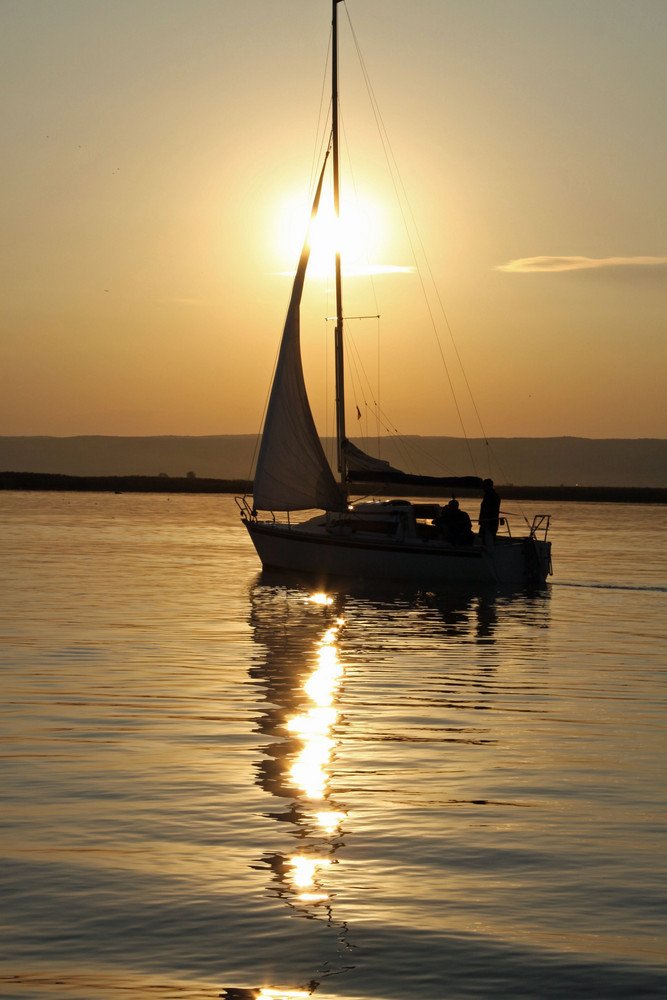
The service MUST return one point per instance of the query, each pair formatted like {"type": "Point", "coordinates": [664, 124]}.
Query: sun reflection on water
{"type": "Point", "coordinates": [319, 598]}
{"type": "Point", "coordinates": [301, 672]}
{"type": "Point", "coordinates": [330, 821]}
{"type": "Point", "coordinates": [310, 771]}
{"type": "Point", "coordinates": [305, 869]}
{"type": "Point", "coordinates": [314, 726]}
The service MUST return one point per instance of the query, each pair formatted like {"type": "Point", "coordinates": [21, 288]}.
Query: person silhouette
{"type": "Point", "coordinates": [489, 513]}
{"type": "Point", "coordinates": [456, 525]}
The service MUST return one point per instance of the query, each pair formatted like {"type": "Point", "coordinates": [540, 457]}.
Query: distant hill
{"type": "Point", "coordinates": [561, 461]}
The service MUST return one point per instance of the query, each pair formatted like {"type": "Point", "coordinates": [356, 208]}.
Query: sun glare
{"type": "Point", "coordinates": [305, 869]}
{"type": "Point", "coordinates": [359, 235]}
{"type": "Point", "coordinates": [319, 598]}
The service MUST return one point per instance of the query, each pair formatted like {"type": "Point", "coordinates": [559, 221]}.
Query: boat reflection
{"type": "Point", "coordinates": [234, 993]}
{"type": "Point", "coordinates": [460, 611]}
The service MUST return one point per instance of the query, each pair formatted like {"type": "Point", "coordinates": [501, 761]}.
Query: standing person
{"type": "Point", "coordinates": [489, 513]}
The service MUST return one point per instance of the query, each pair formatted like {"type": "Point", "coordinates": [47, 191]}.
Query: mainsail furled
{"type": "Point", "coordinates": [292, 470]}
{"type": "Point", "coordinates": [363, 468]}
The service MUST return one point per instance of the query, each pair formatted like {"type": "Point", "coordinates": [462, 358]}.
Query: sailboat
{"type": "Point", "coordinates": [373, 539]}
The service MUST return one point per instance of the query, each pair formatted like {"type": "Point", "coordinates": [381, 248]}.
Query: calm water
{"type": "Point", "coordinates": [216, 784]}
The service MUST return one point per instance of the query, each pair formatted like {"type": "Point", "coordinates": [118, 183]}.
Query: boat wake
{"type": "Point", "coordinates": [594, 585]}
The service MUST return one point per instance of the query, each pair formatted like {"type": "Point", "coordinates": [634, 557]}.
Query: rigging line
{"type": "Point", "coordinates": [443, 311]}
{"type": "Point", "coordinates": [446, 320]}
{"type": "Point", "coordinates": [371, 279]}
{"type": "Point", "coordinates": [445, 469]}
{"type": "Point", "coordinates": [319, 131]}
{"type": "Point", "coordinates": [408, 451]}
{"type": "Point", "coordinates": [350, 173]}
{"type": "Point", "coordinates": [351, 344]}
{"type": "Point", "coordinates": [352, 352]}
{"type": "Point", "coordinates": [415, 228]}
{"type": "Point", "coordinates": [372, 410]}
{"type": "Point", "coordinates": [399, 188]}
{"type": "Point", "coordinates": [358, 373]}
{"type": "Point", "coordinates": [356, 365]}
{"type": "Point", "coordinates": [386, 423]}
{"type": "Point", "coordinates": [353, 182]}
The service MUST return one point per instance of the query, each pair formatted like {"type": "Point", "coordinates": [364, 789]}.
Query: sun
{"type": "Point", "coordinates": [359, 235]}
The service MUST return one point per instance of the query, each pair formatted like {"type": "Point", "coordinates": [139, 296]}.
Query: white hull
{"type": "Point", "coordinates": [317, 548]}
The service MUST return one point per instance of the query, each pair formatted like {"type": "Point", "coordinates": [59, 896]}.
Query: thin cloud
{"type": "Point", "coordinates": [529, 265]}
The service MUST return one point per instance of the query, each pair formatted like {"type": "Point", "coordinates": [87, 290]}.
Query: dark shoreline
{"type": "Point", "coordinates": [190, 484]}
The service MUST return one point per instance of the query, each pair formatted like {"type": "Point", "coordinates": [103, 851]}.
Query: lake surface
{"type": "Point", "coordinates": [220, 784]}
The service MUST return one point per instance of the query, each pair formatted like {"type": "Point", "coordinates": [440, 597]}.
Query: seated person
{"type": "Point", "coordinates": [455, 524]}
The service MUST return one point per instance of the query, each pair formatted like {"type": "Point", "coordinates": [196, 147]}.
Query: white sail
{"type": "Point", "coordinates": [292, 470]}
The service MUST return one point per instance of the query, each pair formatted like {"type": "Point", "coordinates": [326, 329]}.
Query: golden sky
{"type": "Point", "coordinates": [152, 150]}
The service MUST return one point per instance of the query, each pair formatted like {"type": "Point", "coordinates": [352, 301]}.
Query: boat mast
{"type": "Point", "coordinates": [338, 337]}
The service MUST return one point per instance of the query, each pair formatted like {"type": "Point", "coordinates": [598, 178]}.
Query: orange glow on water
{"type": "Point", "coordinates": [305, 869]}
{"type": "Point", "coordinates": [309, 770]}
{"type": "Point", "coordinates": [330, 820]}
{"type": "Point", "coordinates": [319, 598]}
{"type": "Point", "coordinates": [277, 994]}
